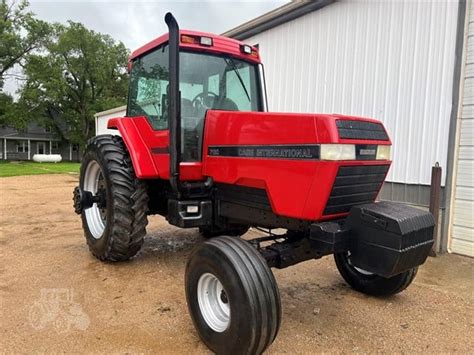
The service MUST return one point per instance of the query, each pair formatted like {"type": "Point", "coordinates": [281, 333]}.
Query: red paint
{"type": "Point", "coordinates": [221, 45]}
{"type": "Point", "coordinates": [134, 140]}
{"type": "Point", "coordinates": [140, 139]}
{"type": "Point", "coordinates": [296, 188]}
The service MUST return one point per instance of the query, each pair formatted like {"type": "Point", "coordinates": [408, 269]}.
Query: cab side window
{"type": "Point", "coordinates": [149, 80]}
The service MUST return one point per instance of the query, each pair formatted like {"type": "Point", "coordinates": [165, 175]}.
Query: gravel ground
{"type": "Point", "coordinates": [55, 297]}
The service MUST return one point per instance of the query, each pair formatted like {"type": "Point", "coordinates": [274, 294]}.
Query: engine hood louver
{"type": "Point", "coordinates": [351, 129]}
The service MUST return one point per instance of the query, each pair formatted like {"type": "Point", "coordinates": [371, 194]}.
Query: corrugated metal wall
{"type": "Point", "coordinates": [391, 60]}
{"type": "Point", "coordinates": [462, 230]}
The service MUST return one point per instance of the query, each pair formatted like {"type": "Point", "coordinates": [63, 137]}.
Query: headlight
{"type": "Point", "coordinates": [383, 152]}
{"type": "Point", "coordinates": [338, 152]}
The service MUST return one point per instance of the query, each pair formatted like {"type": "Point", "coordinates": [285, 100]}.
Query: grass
{"type": "Point", "coordinates": [17, 168]}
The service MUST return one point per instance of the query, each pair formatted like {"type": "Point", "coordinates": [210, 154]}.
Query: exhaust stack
{"type": "Point", "coordinates": [174, 107]}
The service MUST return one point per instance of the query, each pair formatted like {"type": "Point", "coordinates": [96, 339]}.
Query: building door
{"type": "Point", "coordinates": [462, 221]}
{"type": "Point", "coordinates": [40, 148]}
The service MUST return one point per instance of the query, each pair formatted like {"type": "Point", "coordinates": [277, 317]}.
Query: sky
{"type": "Point", "coordinates": [135, 22]}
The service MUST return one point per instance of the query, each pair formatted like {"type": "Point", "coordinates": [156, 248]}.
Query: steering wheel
{"type": "Point", "coordinates": [204, 99]}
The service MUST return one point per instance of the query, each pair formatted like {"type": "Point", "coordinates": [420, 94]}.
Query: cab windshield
{"type": "Point", "coordinates": [207, 81]}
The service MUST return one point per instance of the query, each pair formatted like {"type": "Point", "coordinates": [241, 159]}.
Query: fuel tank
{"type": "Point", "coordinates": [287, 156]}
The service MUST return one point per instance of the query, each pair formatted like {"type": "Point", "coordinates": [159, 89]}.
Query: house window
{"type": "Point", "coordinates": [54, 145]}
{"type": "Point", "coordinates": [22, 147]}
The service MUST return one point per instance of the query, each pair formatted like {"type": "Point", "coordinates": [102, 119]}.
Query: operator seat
{"type": "Point", "coordinates": [187, 109]}
{"type": "Point", "coordinates": [225, 104]}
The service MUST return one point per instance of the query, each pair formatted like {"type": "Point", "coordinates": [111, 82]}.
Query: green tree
{"type": "Point", "coordinates": [11, 113]}
{"type": "Point", "coordinates": [80, 73]}
{"type": "Point", "coordinates": [20, 34]}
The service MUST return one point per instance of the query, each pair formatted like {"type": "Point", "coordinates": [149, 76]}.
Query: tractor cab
{"type": "Point", "coordinates": [215, 73]}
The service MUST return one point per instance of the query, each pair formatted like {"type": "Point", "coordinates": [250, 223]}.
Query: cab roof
{"type": "Point", "coordinates": [220, 45]}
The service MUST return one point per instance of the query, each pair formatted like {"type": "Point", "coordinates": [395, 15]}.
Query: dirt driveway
{"type": "Point", "coordinates": [55, 297]}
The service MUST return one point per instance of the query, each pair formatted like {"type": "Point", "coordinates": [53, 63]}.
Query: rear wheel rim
{"type": "Point", "coordinates": [213, 302]}
{"type": "Point", "coordinates": [95, 216]}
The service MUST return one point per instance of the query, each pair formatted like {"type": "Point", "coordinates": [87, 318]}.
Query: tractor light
{"type": "Point", "coordinates": [203, 41]}
{"type": "Point", "coordinates": [246, 49]}
{"type": "Point", "coordinates": [188, 39]}
{"type": "Point", "coordinates": [383, 152]}
{"type": "Point", "coordinates": [206, 41]}
{"type": "Point", "coordinates": [192, 209]}
{"type": "Point", "coordinates": [338, 152]}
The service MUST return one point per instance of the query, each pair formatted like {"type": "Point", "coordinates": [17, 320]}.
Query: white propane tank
{"type": "Point", "coordinates": [47, 158]}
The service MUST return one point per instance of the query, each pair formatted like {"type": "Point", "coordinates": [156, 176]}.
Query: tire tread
{"type": "Point", "coordinates": [130, 200]}
{"type": "Point", "coordinates": [260, 286]}
{"type": "Point", "coordinates": [373, 285]}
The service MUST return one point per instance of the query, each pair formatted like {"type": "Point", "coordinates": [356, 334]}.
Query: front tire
{"type": "Point", "coordinates": [371, 284]}
{"type": "Point", "coordinates": [114, 230]}
{"type": "Point", "coordinates": [232, 297]}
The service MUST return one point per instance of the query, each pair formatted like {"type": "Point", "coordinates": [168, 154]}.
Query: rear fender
{"type": "Point", "coordinates": [140, 153]}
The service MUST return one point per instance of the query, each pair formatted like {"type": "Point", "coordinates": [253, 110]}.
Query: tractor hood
{"type": "Point", "coordinates": [292, 128]}
{"type": "Point", "coordinates": [298, 159]}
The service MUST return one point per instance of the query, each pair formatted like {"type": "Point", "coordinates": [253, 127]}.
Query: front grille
{"type": "Point", "coordinates": [355, 185]}
{"type": "Point", "coordinates": [349, 129]}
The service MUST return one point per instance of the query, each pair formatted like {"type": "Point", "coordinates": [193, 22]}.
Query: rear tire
{"type": "Point", "coordinates": [369, 283]}
{"type": "Point", "coordinates": [113, 233]}
{"type": "Point", "coordinates": [232, 297]}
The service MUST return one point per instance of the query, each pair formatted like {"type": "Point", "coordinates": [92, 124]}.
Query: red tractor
{"type": "Point", "coordinates": [198, 146]}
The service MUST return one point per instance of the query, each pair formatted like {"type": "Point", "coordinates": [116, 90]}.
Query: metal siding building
{"type": "Point", "coordinates": [397, 61]}
{"type": "Point", "coordinates": [389, 60]}
{"type": "Point", "coordinates": [461, 232]}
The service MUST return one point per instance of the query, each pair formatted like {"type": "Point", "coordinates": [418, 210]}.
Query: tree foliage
{"type": "Point", "coordinates": [68, 73]}
{"type": "Point", "coordinates": [20, 34]}
{"type": "Point", "coordinates": [80, 73]}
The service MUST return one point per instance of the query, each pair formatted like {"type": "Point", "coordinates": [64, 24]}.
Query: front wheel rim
{"type": "Point", "coordinates": [95, 216]}
{"type": "Point", "coordinates": [213, 302]}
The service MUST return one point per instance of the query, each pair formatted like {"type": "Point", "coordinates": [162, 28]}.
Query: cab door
{"type": "Point", "coordinates": [147, 98]}
{"type": "Point", "coordinates": [148, 106]}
